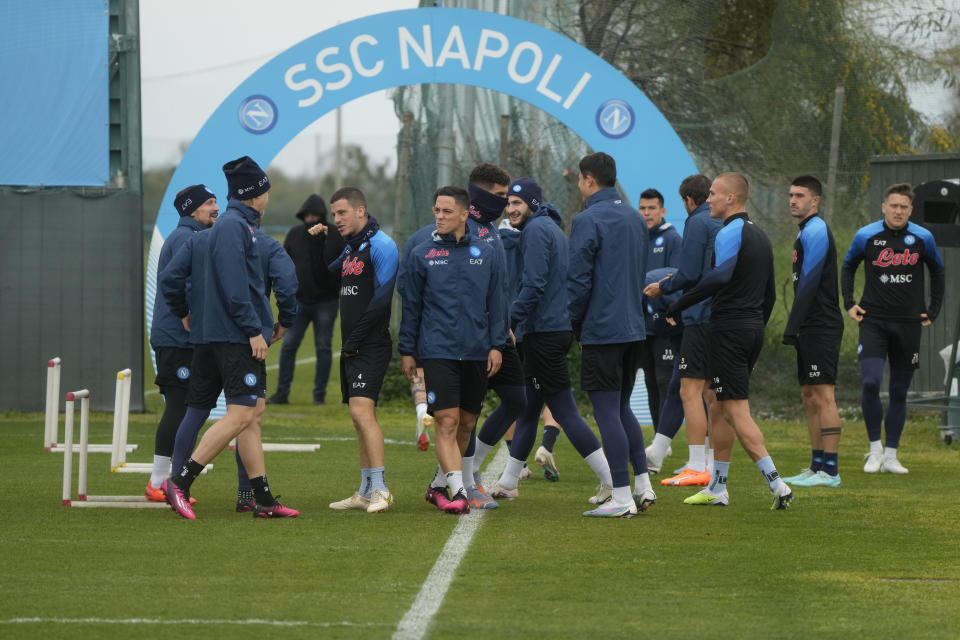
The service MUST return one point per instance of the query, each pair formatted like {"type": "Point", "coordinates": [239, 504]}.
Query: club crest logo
{"type": "Point", "coordinates": [615, 118]}
{"type": "Point", "coordinates": [258, 114]}
{"type": "Point", "coordinates": [475, 252]}
{"type": "Point", "coordinates": [250, 379]}
{"type": "Point", "coordinates": [183, 373]}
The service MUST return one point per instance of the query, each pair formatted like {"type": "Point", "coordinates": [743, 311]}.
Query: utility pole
{"type": "Point", "coordinates": [339, 151]}
{"type": "Point", "coordinates": [834, 154]}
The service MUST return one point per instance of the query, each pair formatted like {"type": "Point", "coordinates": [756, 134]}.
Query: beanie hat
{"type": "Point", "coordinates": [245, 179]}
{"type": "Point", "coordinates": [527, 190]}
{"type": "Point", "coordinates": [190, 199]}
{"type": "Point", "coordinates": [313, 204]}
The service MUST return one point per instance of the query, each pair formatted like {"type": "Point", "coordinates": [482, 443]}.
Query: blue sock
{"type": "Point", "coordinates": [816, 460]}
{"type": "Point", "coordinates": [769, 471]}
{"type": "Point", "coordinates": [871, 372]}
{"type": "Point", "coordinates": [564, 409]}
{"type": "Point", "coordinates": [550, 435]}
{"type": "Point", "coordinates": [365, 483]}
{"type": "Point", "coordinates": [897, 409]}
{"type": "Point", "coordinates": [606, 409]}
{"type": "Point", "coordinates": [830, 463]}
{"type": "Point", "coordinates": [187, 432]}
{"type": "Point", "coordinates": [377, 480]}
{"type": "Point", "coordinates": [718, 484]}
{"type": "Point", "coordinates": [243, 482]}
{"type": "Point", "coordinates": [638, 453]}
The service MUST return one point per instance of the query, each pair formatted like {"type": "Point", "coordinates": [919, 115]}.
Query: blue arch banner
{"type": "Point", "coordinates": [433, 45]}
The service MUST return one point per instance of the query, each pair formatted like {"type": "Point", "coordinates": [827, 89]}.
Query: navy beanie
{"type": "Point", "coordinates": [245, 179]}
{"type": "Point", "coordinates": [190, 199]}
{"type": "Point", "coordinates": [527, 190]}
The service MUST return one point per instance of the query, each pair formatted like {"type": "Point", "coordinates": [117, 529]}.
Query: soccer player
{"type": "Point", "coordinates": [368, 272]}
{"type": "Point", "coordinates": [742, 286]}
{"type": "Point", "coordinates": [695, 255]}
{"type": "Point", "coordinates": [608, 259]}
{"type": "Point", "coordinates": [657, 351]}
{"type": "Point", "coordinates": [891, 313]}
{"type": "Point", "coordinates": [198, 210]}
{"type": "Point", "coordinates": [234, 312]}
{"type": "Point", "coordinates": [539, 317]}
{"type": "Point", "coordinates": [454, 321]}
{"type": "Point", "coordinates": [815, 329]}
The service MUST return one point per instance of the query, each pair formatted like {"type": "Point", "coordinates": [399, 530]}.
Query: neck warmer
{"type": "Point", "coordinates": [485, 206]}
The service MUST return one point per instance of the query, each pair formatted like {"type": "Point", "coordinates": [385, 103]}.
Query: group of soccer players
{"type": "Point", "coordinates": [484, 308]}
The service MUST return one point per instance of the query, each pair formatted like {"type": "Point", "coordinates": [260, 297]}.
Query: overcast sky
{"type": "Point", "coordinates": [193, 54]}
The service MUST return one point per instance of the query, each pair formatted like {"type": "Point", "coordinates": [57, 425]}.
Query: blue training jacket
{"type": "Point", "coordinates": [279, 276]}
{"type": "Point", "coordinates": [419, 236]}
{"type": "Point", "coordinates": [453, 302]}
{"type": "Point", "coordinates": [665, 243]}
{"type": "Point", "coordinates": [513, 260]}
{"type": "Point", "coordinates": [236, 302]}
{"type": "Point", "coordinates": [696, 255]}
{"type": "Point", "coordinates": [656, 308]}
{"type": "Point", "coordinates": [166, 330]}
{"type": "Point", "coordinates": [542, 304]}
{"type": "Point", "coordinates": [182, 283]}
{"type": "Point", "coordinates": [608, 265]}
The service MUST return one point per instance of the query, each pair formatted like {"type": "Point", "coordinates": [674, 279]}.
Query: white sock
{"type": "Point", "coordinates": [480, 453]}
{"type": "Point", "coordinates": [511, 474]}
{"type": "Point", "coordinates": [161, 470]}
{"type": "Point", "coordinates": [659, 446]}
{"type": "Point", "coordinates": [439, 478]}
{"type": "Point", "coordinates": [455, 482]}
{"type": "Point", "coordinates": [889, 453]}
{"type": "Point", "coordinates": [698, 457]}
{"type": "Point", "coordinates": [876, 448]}
{"type": "Point", "coordinates": [598, 462]}
{"type": "Point", "coordinates": [467, 472]}
{"type": "Point", "coordinates": [421, 411]}
{"type": "Point", "coordinates": [642, 482]}
{"type": "Point", "coordinates": [622, 495]}
{"type": "Point", "coordinates": [710, 461]}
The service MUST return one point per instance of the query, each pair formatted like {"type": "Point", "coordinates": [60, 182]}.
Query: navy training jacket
{"type": "Point", "coordinates": [166, 330]}
{"type": "Point", "coordinates": [279, 276]}
{"type": "Point", "coordinates": [696, 257]}
{"type": "Point", "coordinates": [656, 308]}
{"type": "Point", "coordinates": [541, 304]}
{"type": "Point", "coordinates": [453, 302]}
{"type": "Point", "coordinates": [608, 264]}
{"type": "Point", "coordinates": [665, 243]}
{"type": "Point", "coordinates": [182, 283]}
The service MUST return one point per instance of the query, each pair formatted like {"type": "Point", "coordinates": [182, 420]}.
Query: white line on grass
{"type": "Point", "coordinates": [191, 621]}
{"type": "Point", "coordinates": [272, 367]}
{"type": "Point", "coordinates": [417, 619]}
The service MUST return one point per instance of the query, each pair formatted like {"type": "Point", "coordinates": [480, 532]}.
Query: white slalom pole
{"type": "Point", "coordinates": [125, 384]}
{"type": "Point", "coordinates": [84, 444]}
{"type": "Point", "coordinates": [52, 418]}
{"type": "Point", "coordinates": [68, 450]}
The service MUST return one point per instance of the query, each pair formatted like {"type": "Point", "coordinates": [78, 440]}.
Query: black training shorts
{"type": "Point", "coordinates": [610, 367]}
{"type": "Point", "coordinates": [897, 341]}
{"type": "Point", "coordinates": [361, 375]}
{"type": "Point", "coordinates": [817, 357]}
{"type": "Point", "coordinates": [695, 352]}
{"type": "Point", "coordinates": [510, 373]}
{"type": "Point", "coordinates": [205, 381]}
{"type": "Point", "coordinates": [242, 374]}
{"type": "Point", "coordinates": [733, 353]}
{"type": "Point", "coordinates": [545, 361]}
{"type": "Point", "coordinates": [173, 367]}
{"type": "Point", "coordinates": [453, 384]}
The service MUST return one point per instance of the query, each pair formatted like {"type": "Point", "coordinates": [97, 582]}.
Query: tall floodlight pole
{"type": "Point", "coordinates": [445, 137]}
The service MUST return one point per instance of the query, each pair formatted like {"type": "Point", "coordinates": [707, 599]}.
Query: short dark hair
{"type": "Point", "coordinates": [352, 195]}
{"type": "Point", "coordinates": [459, 195]}
{"type": "Point", "coordinates": [900, 189]}
{"type": "Point", "coordinates": [696, 187]}
{"type": "Point", "coordinates": [808, 182]}
{"type": "Point", "coordinates": [650, 194]}
{"type": "Point", "coordinates": [486, 175]}
{"type": "Point", "coordinates": [601, 166]}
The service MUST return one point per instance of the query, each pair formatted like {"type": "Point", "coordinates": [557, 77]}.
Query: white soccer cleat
{"type": "Point", "coordinates": [653, 462]}
{"type": "Point", "coordinates": [644, 500]}
{"type": "Point", "coordinates": [502, 493]}
{"type": "Point", "coordinates": [873, 463]}
{"type": "Point", "coordinates": [356, 501]}
{"type": "Point", "coordinates": [545, 459]}
{"type": "Point", "coordinates": [892, 465]}
{"type": "Point", "coordinates": [380, 501]}
{"type": "Point", "coordinates": [602, 495]}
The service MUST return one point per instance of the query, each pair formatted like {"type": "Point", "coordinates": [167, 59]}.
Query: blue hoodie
{"type": "Point", "coordinates": [665, 245]}
{"type": "Point", "coordinates": [166, 330]}
{"type": "Point", "coordinates": [608, 264]}
{"type": "Point", "coordinates": [541, 304]}
{"type": "Point", "coordinates": [696, 256]}
{"type": "Point", "coordinates": [453, 303]}
{"type": "Point", "coordinates": [182, 283]}
{"type": "Point", "coordinates": [236, 302]}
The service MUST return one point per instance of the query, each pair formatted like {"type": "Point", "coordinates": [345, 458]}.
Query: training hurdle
{"type": "Point", "coordinates": [121, 427]}
{"type": "Point", "coordinates": [282, 446]}
{"type": "Point", "coordinates": [52, 417]}
{"type": "Point", "coordinates": [83, 449]}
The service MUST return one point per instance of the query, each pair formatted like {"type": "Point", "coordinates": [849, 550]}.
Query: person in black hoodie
{"type": "Point", "coordinates": [318, 296]}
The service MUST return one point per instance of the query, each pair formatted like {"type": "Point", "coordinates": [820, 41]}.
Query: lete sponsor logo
{"type": "Point", "coordinates": [891, 258]}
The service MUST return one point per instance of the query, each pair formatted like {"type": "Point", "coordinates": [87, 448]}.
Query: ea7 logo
{"type": "Point", "coordinates": [352, 267]}
{"type": "Point", "coordinates": [476, 260]}
{"type": "Point", "coordinates": [879, 243]}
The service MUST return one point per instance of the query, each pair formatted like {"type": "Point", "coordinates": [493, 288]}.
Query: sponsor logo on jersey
{"type": "Point", "coordinates": [437, 262]}
{"type": "Point", "coordinates": [889, 257]}
{"type": "Point", "coordinates": [349, 290]}
{"type": "Point", "coordinates": [352, 267]}
{"type": "Point", "coordinates": [483, 232]}
{"type": "Point", "coordinates": [794, 256]}
{"type": "Point", "coordinates": [896, 278]}
{"type": "Point", "coordinates": [437, 253]}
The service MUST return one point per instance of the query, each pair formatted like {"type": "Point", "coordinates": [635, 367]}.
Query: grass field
{"type": "Point", "coordinates": [877, 558]}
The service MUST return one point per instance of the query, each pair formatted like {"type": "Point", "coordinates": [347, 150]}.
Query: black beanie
{"type": "Point", "coordinates": [245, 179]}
{"type": "Point", "coordinates": [190, 199]}
{"type": "Point", "coordinates": [313, 204]}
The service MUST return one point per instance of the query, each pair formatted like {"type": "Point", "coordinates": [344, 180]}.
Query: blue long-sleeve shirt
{"type": "Point", "coordinates": [696, 253]}
{"type": "Point", "coordinates": [816, 300]}
{"type": "Point", "coordinates": [608, 263]}
{"type": "Point", "coordinates": [541, 304]}
{"type": "Point", "coordinates": [367, 278]}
